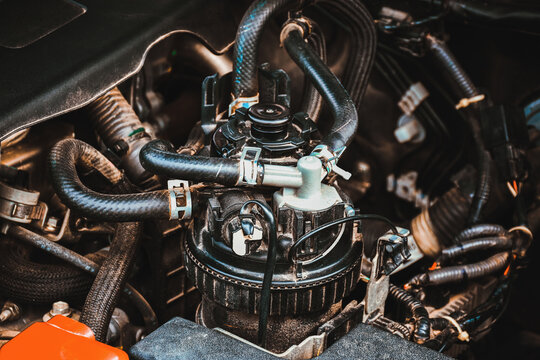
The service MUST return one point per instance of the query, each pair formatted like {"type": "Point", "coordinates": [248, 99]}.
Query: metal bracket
{"type": "Point", "coordinates": [179, 190]}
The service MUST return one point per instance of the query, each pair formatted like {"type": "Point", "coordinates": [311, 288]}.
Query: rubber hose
{"type": "Point", "coordinates": [480, 230]}
{"type": "Point", "coordinates": [312, 101]}
{"type": "Point", "coordinates": [68, 153]}
{"type": "Point", "coordinates": [449, 214]}
{"type": "Point", "coordinates": [32, 282]}
{"type": "Point", "coordinates": [340, 103]}
{"type": "Point", "coordinates": [110, 279]}
{"type": "Point", "coordinates": [248, 37]}
{"type": "Point", "coordinates": [462, 272]}
{"type": "Point", "coordinates": [467, 246]}
{"type": "Point", "coordinates": [422, 324]}
{"type": "Point", "coordinates": [159, 157]}
{"type": "Point", "coordinates": [85, 264]}
{"type": "Point", "coordinates": [361, 26]}
{"type": "Point", "coordinates": [118, 126]}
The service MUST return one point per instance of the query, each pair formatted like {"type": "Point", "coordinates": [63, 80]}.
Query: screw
{"type": "Point", "coordinates": [10, 311]}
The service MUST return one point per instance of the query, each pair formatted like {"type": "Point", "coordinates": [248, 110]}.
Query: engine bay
{"type": "Point", "coordinates": [272, 178]}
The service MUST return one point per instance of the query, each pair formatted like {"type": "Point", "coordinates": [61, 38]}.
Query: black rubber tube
{"type": "Point", "coordinates": [69, 153]}
{"type": "Point", "coordinates": [462, 272]}
{"type": "Point", "coordinates": [480, 230]}
{"type": "Point", "coordinates": [422, 324]}
{"type": "Point", "coordinates": [312, 101]}
{"type": "Point", "coordinates": [159, 157]}
{"type": "Point", "coordinates": [110, 279]}
{"type": "Point", "coordinates": [85, 264]}
{"type": "Point", "coordinates": [468, 246]}
{"type": "Point", "coordinates": [336, 97]}
{"type": "Point", "coordinates": [264, 305]}
{"type": "Point", "coordinates": [248, 36]}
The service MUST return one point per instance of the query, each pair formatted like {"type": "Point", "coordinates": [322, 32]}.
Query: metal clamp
{"type": "Point", "coordinates": [330, 160]}
{"type": "Point", "coordinates": [20, 205]}
{"type": "Point", "coordinates": [249, 165]}
{"type": "Point", "coordinates": [179, 193]}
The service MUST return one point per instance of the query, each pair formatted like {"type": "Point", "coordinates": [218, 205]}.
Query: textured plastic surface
{"type": "Point", "coordinates": [60, 338]}
{"type": "Point", "coordinates": [180, 339]}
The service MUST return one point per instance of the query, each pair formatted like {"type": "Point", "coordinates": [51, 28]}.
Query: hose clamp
{"type": "Point", "coordinates": [301, 24]}
{"type": "Point", "coordinates": [21, 205]}
{"type": "Point", "coordinates": [249, 165]}
{"type": "Point", "coordinates": [330, 159]}
{"type": "Point", "coordinates": [179, 200]}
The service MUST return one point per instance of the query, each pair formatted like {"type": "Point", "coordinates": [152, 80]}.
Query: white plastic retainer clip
{"type": "Point", "coordinates": [249, 165]}
{"type": "Point", "coordinates": [179, 193]}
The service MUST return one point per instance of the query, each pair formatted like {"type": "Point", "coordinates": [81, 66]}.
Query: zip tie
{"type": "Point", "coordinates": [463, 335]}
{"type": "Point", "coordinates": [463, 103]}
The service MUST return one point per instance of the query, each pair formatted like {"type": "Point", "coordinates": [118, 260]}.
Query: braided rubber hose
{"type": "Point", "coordinates": [312, 101]}
{"type": "Point", "coordinates": [116, 123]}
{"type": "Point", "coordinates": [248, 37]}
{"type": "Point", "coordinates": [29, 281]}
{"type": "Point", "coordinates": [159, 157]}
{"type": "Point", "coordinates": [422, 324]}
{"type": "Point", "coordinates": [68, 153]}
{"type": "Point", "coordinates": [85, 264]}
{"type": "Point", "coordinates": [462, 272]}
{"type": "Point", "coordinates": [110, 279]}
{"type": "Point", "coordinates": [336, 97]}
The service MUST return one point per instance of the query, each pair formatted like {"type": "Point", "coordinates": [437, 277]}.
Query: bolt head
{"type": "Point", "coordinates": [60, 308]}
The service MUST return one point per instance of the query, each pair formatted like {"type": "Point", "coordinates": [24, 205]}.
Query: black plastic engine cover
{"type": "Point", "coordinates": [74, 61]}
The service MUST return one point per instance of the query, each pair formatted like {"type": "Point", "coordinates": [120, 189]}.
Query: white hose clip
{"type": "Point", "coordinates": [179, 199]}
{"type": "Point", "coordinates": [249, 165]}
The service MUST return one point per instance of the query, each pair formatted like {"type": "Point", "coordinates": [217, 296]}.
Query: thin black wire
{"type": "Point", "coordinates": [302, 240]}
{"type": "Point", "coordinates": [413, 23]}
{"type": "Point", "coordinates": [264, 305]}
